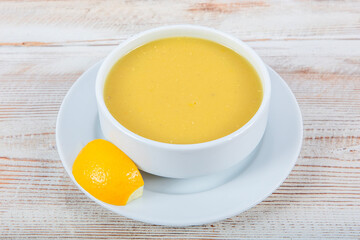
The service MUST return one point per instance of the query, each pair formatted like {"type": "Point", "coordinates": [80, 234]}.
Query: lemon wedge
{"type": "Point", "coordinates": [107, 173]}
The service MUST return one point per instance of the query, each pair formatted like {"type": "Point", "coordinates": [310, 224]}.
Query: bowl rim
{"type": "Point", "coordinates": [102, 74]}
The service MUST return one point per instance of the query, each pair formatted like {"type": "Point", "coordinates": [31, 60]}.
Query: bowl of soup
{"type": "Point", "coordinates": [183, 101]}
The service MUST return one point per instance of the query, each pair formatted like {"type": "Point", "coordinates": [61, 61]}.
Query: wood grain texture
{"type": "Point", "coordinates": [46, 45]}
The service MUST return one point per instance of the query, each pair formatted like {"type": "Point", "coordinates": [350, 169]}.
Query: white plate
{"type": "Point", "coordinates": [231, 193]}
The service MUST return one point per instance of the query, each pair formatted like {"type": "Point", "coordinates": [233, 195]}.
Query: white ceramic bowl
{"type": "Point", "coordinates": [185, 160]}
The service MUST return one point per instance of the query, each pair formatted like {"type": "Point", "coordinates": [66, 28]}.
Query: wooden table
{"type": "Point", "coordinates": [46, 45]}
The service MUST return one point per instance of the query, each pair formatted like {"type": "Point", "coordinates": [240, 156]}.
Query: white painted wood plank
{"type": "Point", "coordinates": [46, 22]}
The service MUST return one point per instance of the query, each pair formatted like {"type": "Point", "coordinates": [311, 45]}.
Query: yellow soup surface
{"type": "Point", "coordinates": [183, 90]}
